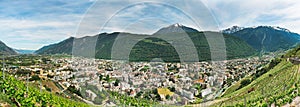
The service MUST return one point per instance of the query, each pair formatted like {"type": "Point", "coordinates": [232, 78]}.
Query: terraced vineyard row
{"type": "Point", "coordinates": [278, 86]}
{"type": "Point", "coordinates": [17, 92]}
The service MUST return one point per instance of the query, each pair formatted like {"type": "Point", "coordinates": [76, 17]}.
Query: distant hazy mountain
{"type": "Point", "coordinates": [149, 48]}
{"type": "Point", "coordinates": [266, 38]}
{"type": "Point", "coordinates": [22, 51]}
{"type": "Point", "coordinates": [4, 49]}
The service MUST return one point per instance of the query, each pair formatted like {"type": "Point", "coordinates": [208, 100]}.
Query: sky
{"type": "Point", "coordinates": [32, 24]}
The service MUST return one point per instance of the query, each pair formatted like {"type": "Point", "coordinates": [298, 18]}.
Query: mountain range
{"type": "Point", "coordinates": [150, 48]}
{"type": "Point", "coordinates": [240, 42]}
{"type": "Point", "coordinates": [265, 38]}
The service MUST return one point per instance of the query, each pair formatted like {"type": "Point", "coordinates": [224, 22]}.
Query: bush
{"type": "Point", "coordinates": [74, 90]}
{"type": "Point", "coordinates": [34, 78]}
{"type": "Point", "coordinates": [244, 83]}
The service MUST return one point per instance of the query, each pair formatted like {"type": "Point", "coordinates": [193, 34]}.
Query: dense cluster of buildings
{"type": "Point", "coordinates": [190, 81]}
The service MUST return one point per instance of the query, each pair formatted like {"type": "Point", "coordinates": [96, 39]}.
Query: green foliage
{"type": "Point", "coordinates": [267, 39]}
{"type": "Point", "coordinates": [47, 88]}
{"type": "Point", "coordinates": [107, 78]}
{"type": "Point", "coordinates": [150, 48]}
{"type": "Point", "coordinates": [44, 60]}
{"type": "Point", "coordinates": [229, 81]}
{"type": "Point", "coordinates": [5, 99]}
{"type": "Point", "coordinates": [136, 102]}
{"type": "Point", "coordinates": [168, 97]}
{"type": "Point", "coordinates": [277, 84]}
{"type": "Point", "coordinates": [74, 90]}
{"type": "Point", "coordinates": [172, 89]}
{"type": "Point", "coordinates": [100, 77]}
{"type": "Point", "coordinates": [34, 78]}
{"type": "Point", "coordinates": [244, 82]}
{"type": "Point", "coordinates": [117, 82]}
{"type": "Point", "coordinates": [265, 69]}
{"type": "Point", "coordinates": [295, 52]}
{"type": "Point", "coordinates": [158, 48]}
{"type": "Point", "coordinates": [17, 91]}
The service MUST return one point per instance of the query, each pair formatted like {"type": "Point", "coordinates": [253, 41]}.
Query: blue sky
{"type": "Point", "coordinates": [31, 24]}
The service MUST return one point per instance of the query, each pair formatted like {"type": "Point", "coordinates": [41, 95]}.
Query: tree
{"type": "Point", "coordinates": [172, 89]}
{"type": "Point", "coordinates": [139, 94]}
{"type": "Point", "coordinates": [100, 77]}
{"type": "Point", "coordinates": [50, 76]}
{"type": "Point", "coordinates": [117, 82]}
{"type": "Point", "coordinates": [74, 90]}
{"type": "Point", "coordinates": [34, 78]}
{"type": "Point", "coordinates": [107, 78]}
{"type": "Point", "coordinates": [44, 60]}
{"type": "Point", "coordinates": [229, 81]}
{"type": "Point", "coordinates": [168, 97]}
{"type": "Point", "coordinates": [244, 82]}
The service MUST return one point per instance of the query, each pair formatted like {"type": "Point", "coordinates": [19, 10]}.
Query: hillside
{"type": "Point", "coordinates": [275, 84]}
{"type": "Point", "coordinates": [16, 91]}
{"type": "Point", "coordinates": [61, 47]}
{"type": "Point", "coordinates": [150, 47]}
{"type": "Point", "coordinates": [266, 38]}
{"type": "Point", "coordinates": [4, 49]}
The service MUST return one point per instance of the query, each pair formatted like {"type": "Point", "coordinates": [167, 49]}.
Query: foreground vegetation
{"type": "Point", "coordinates": [275, 84]}
{"type": "Point", "coordinates": [16, 93]}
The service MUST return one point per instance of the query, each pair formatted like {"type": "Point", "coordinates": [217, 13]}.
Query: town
{"type": "Point", "coordinates": [95, 80]}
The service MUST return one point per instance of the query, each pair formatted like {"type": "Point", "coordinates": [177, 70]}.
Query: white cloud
{"type": "Point", "coordinates": [31, 25]}
{"type": "Point", "coordinates": [118, 15]}
{"type": "Point", "coordinates": [247, 13]}
{"type": "Point", "coordinates": [35, 33]}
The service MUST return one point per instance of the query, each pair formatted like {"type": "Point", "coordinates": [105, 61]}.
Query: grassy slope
{"type": "Point", "coordinates": [150, 47]}
{"type": "Point", "coordinates": [284, 75]}
{"type": "Point", "coordinates": [276, 86]}
{"type": "Point", "coordinates": [34, 96]}
{"type": "Point", "coordinates": [5, 100]}
{"type": "Point", "coordinates": [235, 86]}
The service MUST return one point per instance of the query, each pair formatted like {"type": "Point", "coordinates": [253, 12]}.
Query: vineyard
{"type": "Point", "coordinates": [279, 86]}
{"type": "Point", "coordinates": [136, 102]}
{"type": "Point", "coordinates": [18, 94]}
